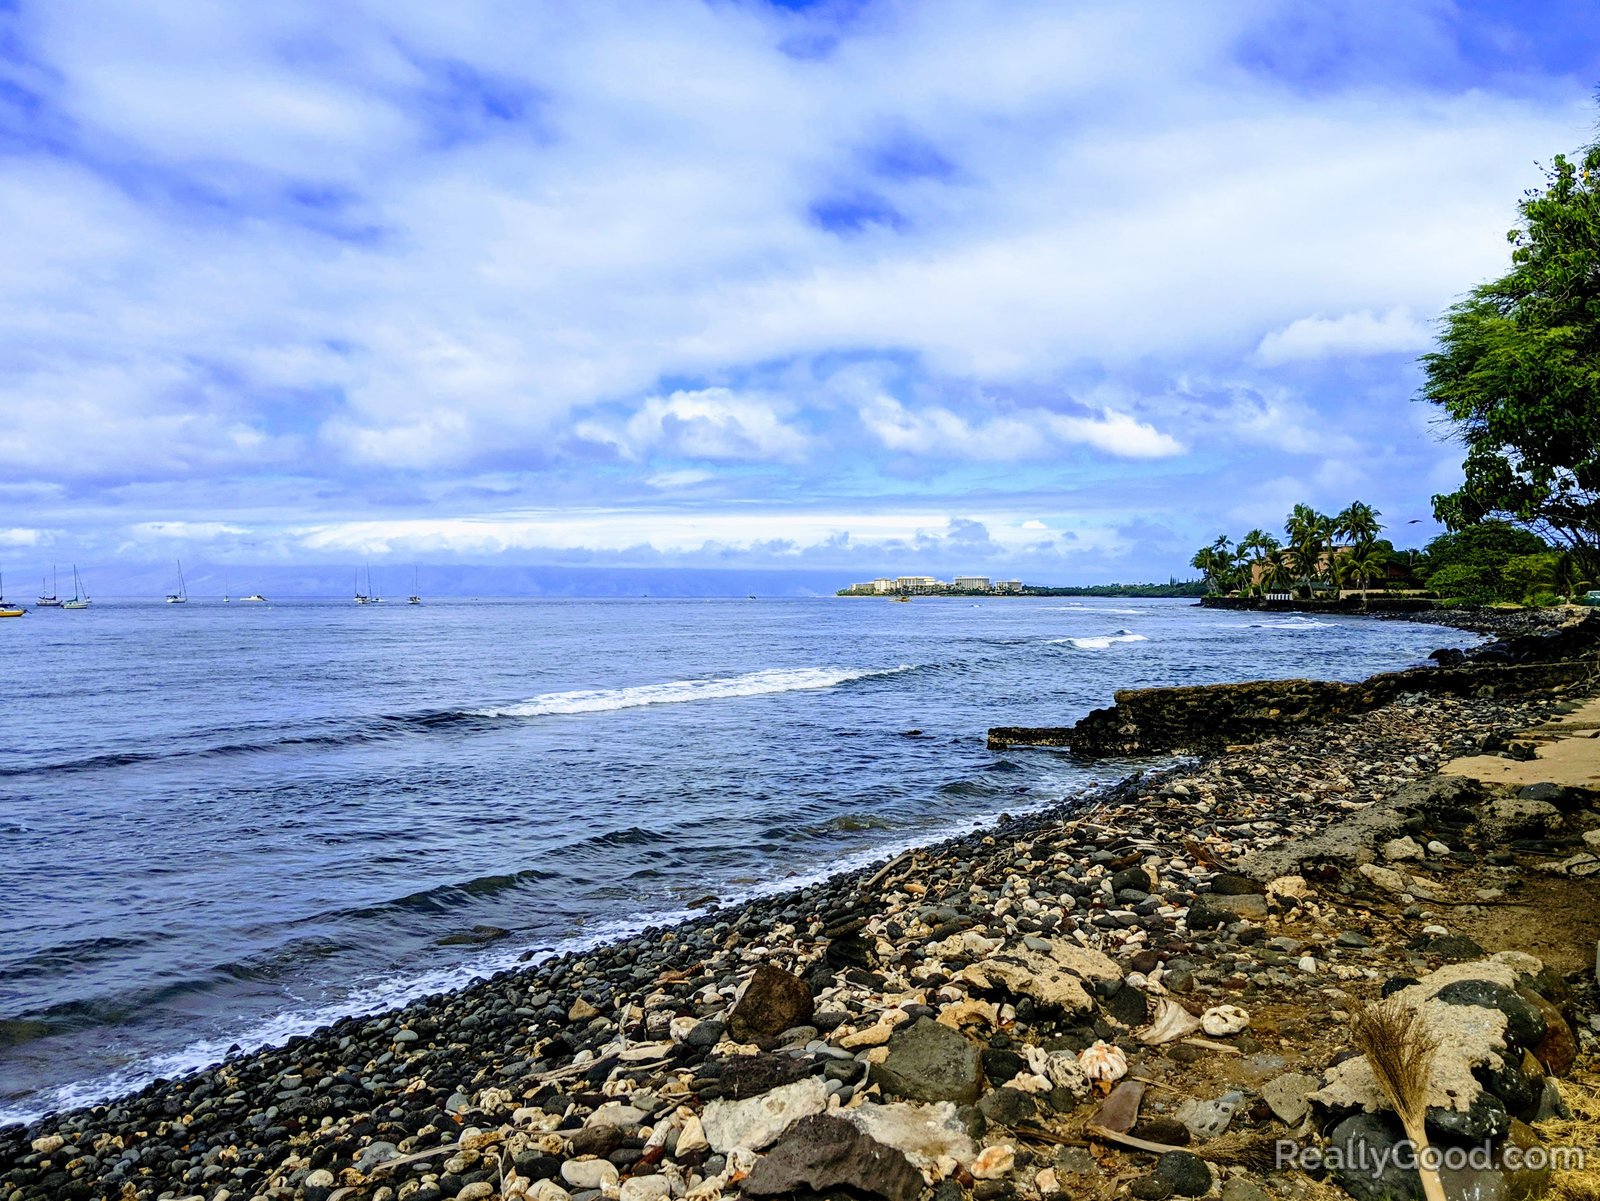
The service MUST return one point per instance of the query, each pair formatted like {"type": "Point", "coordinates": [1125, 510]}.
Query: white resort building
{"type": "Point", "coordinates": [927, 585]}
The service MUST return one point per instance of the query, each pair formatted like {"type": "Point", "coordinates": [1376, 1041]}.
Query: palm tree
{"type": "Point", "coordinates": [1308, 532]}
{"type": "Point", "coordinates": [1257, 547]}
{"type": "Point", "coordinates": [1365, 563]}
{"type": "Point", "coordinates": [1208, 562]}
{"type": "Point", "coordinates": [1279, 572]}
{"type": "Point", "coordinates": [1359, 523]}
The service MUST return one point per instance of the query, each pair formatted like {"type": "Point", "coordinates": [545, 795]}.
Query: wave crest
{"type": "Point", "coordinates": [754, 683]}
{"type": "Point", "coordinates": [1101, 643]}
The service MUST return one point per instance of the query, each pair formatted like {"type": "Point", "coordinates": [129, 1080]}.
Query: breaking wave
{"type": "Point", "coordinates": [1102, 642]}
{"type": "Point", "coordinates": [676, 692]}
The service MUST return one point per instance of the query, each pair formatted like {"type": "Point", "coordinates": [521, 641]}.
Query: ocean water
{"type": "Point", "coordinates": [225, 825]}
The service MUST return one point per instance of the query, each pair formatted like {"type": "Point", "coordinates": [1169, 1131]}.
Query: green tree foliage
{"type": "Point", "coordinates": [1517, 372]}
{"type": "Point", "coordinates": [1493, 561]}
{"type": "Point", "coordinates": [1489, 544]}
{"type": "Point", "coordinates": [1468, 583]}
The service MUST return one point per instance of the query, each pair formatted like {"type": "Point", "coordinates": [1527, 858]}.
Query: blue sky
{"type": "Point", "coordinates": [1058, 290]}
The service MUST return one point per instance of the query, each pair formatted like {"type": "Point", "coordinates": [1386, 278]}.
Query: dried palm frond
{"type": "Point", "coordinates": [1400, 1048]}
{"type": "Point", "coordinates": [1256, 1151]}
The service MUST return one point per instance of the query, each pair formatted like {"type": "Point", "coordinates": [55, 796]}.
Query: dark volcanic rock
{"type": "Point", "coordinates": [1186, 1172]}
{"type": "Point", "coordinates": [822, 1152]}
{"type": "Point", "coordinates": [774, 1001]}
{"type": "Point", "coordinates": [931, 1062]}
{"type": "Point", "coordinates": [1369, 1158]}
{"type": "Point", "coordinates": [1232, 884]}
{"type": "Point", "coordinates": [1525, 1024]}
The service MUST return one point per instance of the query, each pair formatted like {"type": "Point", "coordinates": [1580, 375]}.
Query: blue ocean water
{"type": "Point", "coordinates": [228, 824]}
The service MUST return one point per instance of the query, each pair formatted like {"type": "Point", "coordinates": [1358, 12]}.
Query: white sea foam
{"type": "Point", "coordinates": [1102, 643]}
{"type": "Point", "coordinates": [1094, 609]}
{"type": "Point", "coordinates": [675, 692]}
{"type": "Point", "coordinates": [392, 991]}
{"type": "Point", "coordinates": [1292, 623]}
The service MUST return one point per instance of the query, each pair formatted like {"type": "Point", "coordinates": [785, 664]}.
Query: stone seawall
{"type": "Point", "coordinates": [1206, 718]}
{"type": "Point", "coordinates": [1373, 604]}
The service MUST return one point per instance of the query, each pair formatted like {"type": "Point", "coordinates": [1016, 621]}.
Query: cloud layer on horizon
{"type": "Point", "coordinates": [712, 282]}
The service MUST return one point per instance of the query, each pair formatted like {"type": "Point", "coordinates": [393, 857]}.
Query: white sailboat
{"type": "Point", "coordinates": [181, 596]}
{"type": "Point", "coordinates": [416, 593]}
{"type": "Point", "coordinates": [52, 601]}
{"type": "Point", "coordinates": [80, 599]}
{"type": "Point", "coordinates": [361, 597]}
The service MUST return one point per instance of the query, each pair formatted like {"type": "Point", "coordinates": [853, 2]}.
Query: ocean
{"type": "Point", "coordinates": [222, 825]}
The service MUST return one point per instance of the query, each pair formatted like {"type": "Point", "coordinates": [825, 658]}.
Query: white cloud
{"type": "Point", "coordinates": [1017, 434]}
{"type": "Point", "coordinates": [1362, 333]}
{"type": "Point", "coordinates": [189, 531]}
{"type": "Point", "coordinates": [712, 423]}
{"type": "Point", "coordinates": [451, 241]}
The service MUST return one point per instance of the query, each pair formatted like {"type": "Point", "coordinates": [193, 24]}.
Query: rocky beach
{"type": "Point", "coordinates": [1141, 992]}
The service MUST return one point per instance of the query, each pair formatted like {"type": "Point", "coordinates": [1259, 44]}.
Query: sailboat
{"type": "Point", "coordinates": [51, 601]}
{"type": "Point", "coordinates": [416, 593]}
{"type": "Point", "coordinates": [361, 597]}
{"type": "Point", "coordinates": [225, 597]}
{"type": "Point", "coordinates": [5, 609]}
{"type": "Point", "coordinates": [79, 599]}
{"type": "Point", "coordinates": [181, 596]}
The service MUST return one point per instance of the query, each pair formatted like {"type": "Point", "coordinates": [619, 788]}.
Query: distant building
{"type": "Point", "coordinates": [916, 584]}
{"type": "Point", "coordinates": [970, 583]}
{"type": "Point", "coordinates": [1010, 587]}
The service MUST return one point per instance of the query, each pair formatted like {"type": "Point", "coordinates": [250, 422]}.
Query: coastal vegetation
{"type": "Point", "coordinates": [1491, 562]}
{"type": "Point", "coordinates": [1516, 375]}
{"type": "Point", "coordinates": [1319, 554]}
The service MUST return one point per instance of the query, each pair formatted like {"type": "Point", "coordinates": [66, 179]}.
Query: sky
{"type": "Point", "coordinates": [1055, 290]}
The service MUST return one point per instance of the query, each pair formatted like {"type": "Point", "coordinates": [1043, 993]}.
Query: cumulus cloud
{"type": "Point", "coordinates": [1362, 333]}
{"type": "Point", "coordinates": [586, 251]}
{"type": "Point", "coordinates": [1019, 434]}
{"type": "Point", "coordinates": [710, 423]}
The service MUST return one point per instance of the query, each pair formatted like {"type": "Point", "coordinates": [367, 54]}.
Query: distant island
{"type": "Point", "coordinates": [980, 585]}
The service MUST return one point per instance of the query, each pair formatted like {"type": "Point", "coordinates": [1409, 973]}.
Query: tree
{"type": "Point", "coordinates": [1308, 532]}
{"type": "Point", "coordinates": [1517, 372]}
{"type": "Point", "coordinates": [1214, 564]}
{"type": "Point", "coordinates": [1488, 544]}
{"type": "Point", "coordinates": [1257, 547]}
{"type": "Point", "coordinates": [1366, 563]}
{"type": "Point", "coordinates": [1359, 523]}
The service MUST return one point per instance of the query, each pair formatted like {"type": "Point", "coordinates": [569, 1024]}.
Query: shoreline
{"type": "Point", "coordinates": [276, 1121]}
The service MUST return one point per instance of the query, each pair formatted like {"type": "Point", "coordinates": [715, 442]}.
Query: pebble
{"type": "Point", "coordinates": [635, 1039]}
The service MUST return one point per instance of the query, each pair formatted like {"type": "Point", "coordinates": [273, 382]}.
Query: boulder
{"type": "Point", "coordinates": [1212, 910]}
{"type": "Point", "coordinates": [925, 1134]}
{"type": "Point", "coordinates": [1384, 877]}
{"type": "Point", "coordinates": [1518, 818]}
{"type": "Point", "coordinates": [1232, 884]}
{"type": "Point", "coordinates": [1058, 978]}
{"type": "Point", "coordinates": [824, 1152]}
{"type": "Point", "coordinates": [1288, 1096]}
{"type": "Point", "coordinates": [1367, 1152]}
{"type": "Point", "coordinates": [930, 1062]}
{"type": "Point", "coordinates": [774, 1001]}
{"type": "Point", "coordinates": [1186, 1172]}
{"type": "Point", "coordinates": [756, 1122]}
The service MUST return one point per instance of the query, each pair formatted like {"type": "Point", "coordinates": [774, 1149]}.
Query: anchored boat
{"type": "Point", "coordinates": [80, 596]}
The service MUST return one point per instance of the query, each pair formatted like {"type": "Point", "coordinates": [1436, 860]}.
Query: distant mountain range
{"type": "Point", "coordinates": [394, 581]}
